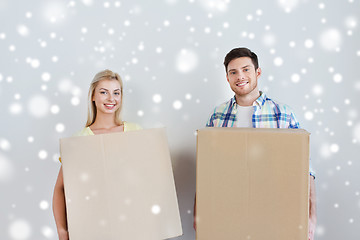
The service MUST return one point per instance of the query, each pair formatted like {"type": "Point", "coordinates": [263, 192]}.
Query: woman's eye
{"type": "Point", "coordinates": [103, 92]}
{"type": "Point", "coordinates": [117, 93]}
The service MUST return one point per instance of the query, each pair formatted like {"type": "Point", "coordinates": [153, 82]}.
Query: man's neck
{"type": "Point", "coordinates": [248, 99]}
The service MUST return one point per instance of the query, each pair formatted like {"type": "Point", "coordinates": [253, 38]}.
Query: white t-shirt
{"type": "Point", "coordinates": [244, 116]}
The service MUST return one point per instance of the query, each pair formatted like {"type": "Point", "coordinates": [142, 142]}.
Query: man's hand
{"type": "Point", "coordinates": [312, 209]}
{"type": "Point", "coordinates": [312, 225]}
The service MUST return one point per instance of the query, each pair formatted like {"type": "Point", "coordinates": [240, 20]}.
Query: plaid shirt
{"type": "Point", "coordinates": [267, 114]}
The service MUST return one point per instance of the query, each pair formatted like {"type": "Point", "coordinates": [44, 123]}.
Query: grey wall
{"type": "Point", "coordinates": [170, 55]}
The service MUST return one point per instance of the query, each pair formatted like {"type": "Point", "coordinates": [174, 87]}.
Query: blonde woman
{"type": "Point", "coordinates": [104, 108]}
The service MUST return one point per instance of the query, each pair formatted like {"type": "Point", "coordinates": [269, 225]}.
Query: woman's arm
{"type": "Point", "coordinates": [59, 207]}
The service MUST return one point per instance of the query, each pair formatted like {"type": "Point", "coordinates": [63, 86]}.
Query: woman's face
{"type": "Point", "coordinates": [107, 96]}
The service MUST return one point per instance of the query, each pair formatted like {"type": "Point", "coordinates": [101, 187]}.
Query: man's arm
{"type": "Point", "coordinates": [312, 209]}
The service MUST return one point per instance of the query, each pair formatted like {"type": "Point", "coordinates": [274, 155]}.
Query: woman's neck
{"type": "Point", "coordinates": [104, 121]}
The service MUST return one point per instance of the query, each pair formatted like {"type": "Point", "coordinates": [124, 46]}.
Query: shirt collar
{"type": "Point", "coordinates": [260, 101]}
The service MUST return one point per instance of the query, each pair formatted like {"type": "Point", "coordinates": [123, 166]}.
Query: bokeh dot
{"type": "Point", "coordinates": [42, 154]}
{"type": "Point", "coordinates": [177, 105]}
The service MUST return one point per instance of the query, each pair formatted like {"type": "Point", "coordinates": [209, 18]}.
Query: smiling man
{"type": "Point", "coordinates": [253, 109]}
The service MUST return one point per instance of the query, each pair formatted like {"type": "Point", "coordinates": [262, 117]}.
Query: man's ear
{"type": "Point", "coordinates": [258, 73]}
{"type": "Point", "coordinates": [227, 77]}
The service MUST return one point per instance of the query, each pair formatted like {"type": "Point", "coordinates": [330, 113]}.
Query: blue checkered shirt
{"type": "Point", "coordinates": [267, 114]}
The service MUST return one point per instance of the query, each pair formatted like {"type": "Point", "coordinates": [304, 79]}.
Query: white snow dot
{"type": "Point", "coordinates": [159, 50]}
{"type": "Point", "coordinates": [207, 30]}
{"type": "Point", "coordinates": [134, 60]}
{"type": "Point", "coordinates": [321, 5]}
{"type": "Point", "coordinates": [20, 230]}
{"type": "Point", "coordinates": [166, 23]}
{"type": "Point", "coordinates": [317, 90]}
{"type": "Point", "coordinates": [157, 98]}
{"type": "Point", "coordinates": [259, 12]}
{"type": "Point", "coordinates": [60, 127]}
{"type": "Point", "coordinates": [46, 76]}
{"type": "Point", "coordinates": [106, 4]}
{"type": "Point", "coordinates": [155, 209]}
{"type": "Point", "coordinates": [334, 148]}
{"type": "Point", "coordinates": [88, 2]}
{"type": "Point", "coordinates": [15, 108]}
{"type": "Point", "coordinates": [350, 22]}
{"type": "Point", "coordinates": [320, 230]}
{"type": "Point", "coordinates": [23, 30]}
{"type": "Point", "coordinates": [54, 59]}
{"type": "Point", "coordinates": [12, 48]}
{"type": "Point", "coordinates": [42, 154]}
{"type": "Point", "coordinates": [278, 61]}
{"type": "Point", "coordinates": [295, 78]}
{"type": "Point", "coordinates": [356, 132]}
{"type": "Point", "coordinates": [292, 44]}
{"type": "Point", "coordinates": [47, 232]}
{"type": "Point", "coordinates": [309, 115]}
{"type": "Point", "coordinates": [337, 78]}
{"type": "Point", "coordinates": [44, 205]}
{"type": "Point", "coordinates": [309, 43]}
{"type": "Point", "coordinates": [111, 31]}
{"type": "Point", "coordinates": [249, 17]}
{"type": "Point", "coordinates": [28, 15]}
{"type": "Point", "coordinates": [330, 39]}
{"type": "Point", "coordinates": [117, 4]}
{"type": "Point", "coordinates": [75, 101]}
{"type": "Point", "coordinates": [288, 5]}
{"type": "Point", "coordinates": [38, 106]}
{"type": "Point", "coordinates": [5, 144]}
{"type": "Point", "coordinates": [177, 105]}
{"type": "Point", "coordinates": [54, 109]}
{"type": "Point", "coordinates": [84, 30]}
{"type": "Point", "coordinates": [6, 169]}
{"type": "Point", "coordinates": [347, 183]}
{"type": "Point", "coordinates": [188, 96]}
{"type": "Point", "coordinates": [336, 205]}
{"type": "Point", "coordinates": [35, 63]}
{"type": "Point", "coordinates": [30, 139]}
{"type": "Point", "coordinates": [186, 61]}
{"type": "Point", "coordinates": [127, 23]}
{"type": "Point", "coordinates": [140, 113]}
{"type": "Point", "coordinates": [226, 25]}
{"type": "Point", "coordinates": [269, 39]}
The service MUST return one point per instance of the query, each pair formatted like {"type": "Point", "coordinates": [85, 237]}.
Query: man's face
{"type": "Point", "coordinates": [242, 76]}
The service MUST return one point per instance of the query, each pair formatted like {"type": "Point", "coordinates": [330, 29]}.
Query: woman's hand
{"type": "Point", "coordinates": [63, 234]}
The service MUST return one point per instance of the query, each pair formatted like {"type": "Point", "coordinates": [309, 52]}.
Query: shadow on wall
{"type": "Point", "coordinates": [184, 167]}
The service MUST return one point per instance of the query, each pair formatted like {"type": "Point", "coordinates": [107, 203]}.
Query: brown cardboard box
{"type": "Point", "coordinates": [120, 186]}
{"type": "Point", "coordinates": [252, 184]}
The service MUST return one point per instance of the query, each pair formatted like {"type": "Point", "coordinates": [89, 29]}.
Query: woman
{"type": "Point", "coordinates": [104, 108]}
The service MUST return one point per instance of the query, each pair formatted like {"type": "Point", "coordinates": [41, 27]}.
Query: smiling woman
{"type": "Point", "coordinates": [104, 110]}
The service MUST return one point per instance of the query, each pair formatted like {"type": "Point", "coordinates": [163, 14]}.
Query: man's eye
{"type": "Point", "coordinates": [232, 73]}
{"type": "Point", "coordinates": [246, 70]}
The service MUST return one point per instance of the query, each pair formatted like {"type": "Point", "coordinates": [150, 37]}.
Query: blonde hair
{"type": "Point", "coordinates": [103, 75]}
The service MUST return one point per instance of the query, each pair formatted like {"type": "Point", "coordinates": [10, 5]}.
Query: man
{"type": "Point", "coordinates": [252, 108]}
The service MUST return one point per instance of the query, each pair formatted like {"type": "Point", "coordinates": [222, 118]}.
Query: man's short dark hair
{"type": "Point", "coordinates": [238, 53]}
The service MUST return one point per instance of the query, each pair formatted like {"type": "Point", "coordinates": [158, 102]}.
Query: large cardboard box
{"type": "Point", "coordinates": [120, 186]}
{"type": "Point", "coordinates": [252, 184]}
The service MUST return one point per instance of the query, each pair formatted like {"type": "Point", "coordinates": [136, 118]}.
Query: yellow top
{"type": "Point", "coordinates": [128, 126]}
